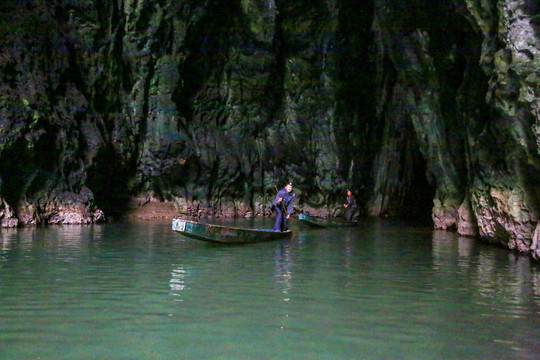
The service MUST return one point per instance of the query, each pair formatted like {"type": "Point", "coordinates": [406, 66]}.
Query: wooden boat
{"type": "Point", "coordinates": [225, 234]}
{"type": "Point", "coordinates": [325, 223]}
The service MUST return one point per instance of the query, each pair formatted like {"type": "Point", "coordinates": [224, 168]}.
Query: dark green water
{"type": "Point", "coordinates": [380, 291]}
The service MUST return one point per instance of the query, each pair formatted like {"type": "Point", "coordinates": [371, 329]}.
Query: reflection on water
{"type": "Point", "coordinates": [481, 265]}
{"type": "Point", "coordinates": [384, 290]}
{"type": "Point", "coordinates": [501, 286]}
{"type": "Point", "coordinates": [283, 266]}
{"type": "Point", "coordinates": [178, 281]}
{"type": "Point", "coordinates": [536, 282]}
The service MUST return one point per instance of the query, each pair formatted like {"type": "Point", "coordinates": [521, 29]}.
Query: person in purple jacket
{"type": "Point", "coordinates": [284, 205]}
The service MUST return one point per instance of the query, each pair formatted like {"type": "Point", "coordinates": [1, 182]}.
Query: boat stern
{"type": "Point", "coordinates": [181, 225]}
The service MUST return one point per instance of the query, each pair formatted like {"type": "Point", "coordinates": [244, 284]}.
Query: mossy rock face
{"type": "Point", "coordinates": [427, 109]}
{"type": "Point", "coordinates": [212, 102]}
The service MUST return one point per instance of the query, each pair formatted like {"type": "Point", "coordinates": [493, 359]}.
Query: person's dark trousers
{"type": "Point", "coordinates": [349, 214]}
{"type": "Point", "coordinates": [281, 220]}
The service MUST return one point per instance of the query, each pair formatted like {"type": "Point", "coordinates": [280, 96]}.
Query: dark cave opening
{"type": "Point", "coordinates": [29, 166]}
{"type": "Point", "coordinates": [417, 202]}
{"type": "Point", "coordinates": [108, 179]}
{"type": "Point", "coordinates": [16, 169]}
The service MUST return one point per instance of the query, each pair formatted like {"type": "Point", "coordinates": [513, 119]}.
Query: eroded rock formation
{"type": "Point", "coordinates": [429, 109]}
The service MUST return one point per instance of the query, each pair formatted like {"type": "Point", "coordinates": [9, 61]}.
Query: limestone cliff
{"type": "Point", "coordinates": [428, 109]}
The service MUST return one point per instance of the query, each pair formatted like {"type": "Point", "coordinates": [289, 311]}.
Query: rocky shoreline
{"type": "Point", "coordinates": [149, 209]}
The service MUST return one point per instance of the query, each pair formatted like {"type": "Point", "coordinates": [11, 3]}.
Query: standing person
{"type": "Point", "coordinates": [284, 205]}
{"type": "Point", "coordinates": [350, 206]}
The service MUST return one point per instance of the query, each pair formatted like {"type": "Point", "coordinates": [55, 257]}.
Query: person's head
{"type": "Point", "coordinates": [349, 192]}
{"type": "Point", "coordinates": [288, 187]}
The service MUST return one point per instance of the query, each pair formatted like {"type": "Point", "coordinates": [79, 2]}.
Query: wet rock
{"type": "Point", "coordinates": [467, 225]}
{"type": "Point", "coordinates": [7, 215]}
{"type": "Point", "coordinates": [535, 246]}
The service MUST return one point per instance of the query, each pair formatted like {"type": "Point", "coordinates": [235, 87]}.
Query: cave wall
{"type": "Point", "coordinates": [464, 74]}
{"type": "Point", "coordinates": [425, 108]}
{"type": "Point", "coordinates": [207, 104]}
{"type": "Point", "coordinates": [504, 193]}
